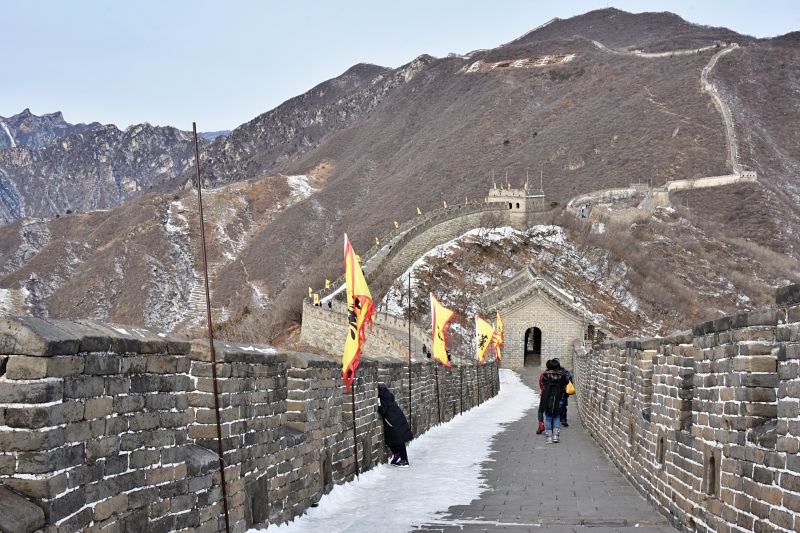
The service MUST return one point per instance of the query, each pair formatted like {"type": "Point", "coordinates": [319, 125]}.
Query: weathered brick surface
{"type": "Point", "coordinates": [728, 413]}
{"type": "Point", "coordinates": [122, 439]}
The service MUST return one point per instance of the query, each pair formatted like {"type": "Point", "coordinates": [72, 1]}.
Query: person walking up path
{"type": "Point", "coordinates": [533, 486]}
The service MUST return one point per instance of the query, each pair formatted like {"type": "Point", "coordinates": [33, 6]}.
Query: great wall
{"type": "Point", "coordinates": [104, 426]}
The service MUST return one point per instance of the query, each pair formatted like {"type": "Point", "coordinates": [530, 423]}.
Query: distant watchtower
{"type": "Point", "coordinates": [523, 204]}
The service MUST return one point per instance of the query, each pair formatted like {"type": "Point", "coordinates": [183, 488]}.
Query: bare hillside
{"type": "Point", "coordinates": [595, 102]}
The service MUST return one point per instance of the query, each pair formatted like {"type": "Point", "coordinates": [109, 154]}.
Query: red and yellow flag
{"type": "Point", "coordinates": [440, 316]}
{"type": "Point", "coordinates": [499, 340]}
{"type": "Point", "coordinates": [486, 335]}
{"type": "Point", "coordinates": [361, 311]}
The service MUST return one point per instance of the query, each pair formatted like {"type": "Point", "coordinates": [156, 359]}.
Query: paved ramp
{"type": "Point", "coordinates": [569, 486]}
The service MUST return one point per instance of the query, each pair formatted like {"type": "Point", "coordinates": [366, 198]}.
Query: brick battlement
{"type": "Point", "coordinates": [109, 426]}
{"type": "Point", "coordinates": [705, 423]}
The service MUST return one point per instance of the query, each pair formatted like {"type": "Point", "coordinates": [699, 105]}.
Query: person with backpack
{"type": "Point", "coordinates": [554, 385]}
{"type": "Point", "coordinates": [396, 431]}
{"type": "Point", "coordinates": [565, 403]}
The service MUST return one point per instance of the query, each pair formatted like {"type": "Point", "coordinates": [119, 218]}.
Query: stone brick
{"type": "Point", "coordinates": [50, 461]}
{"type": "Point", "coordinates": [98, 408]}
{"type": "Point", "coordinates": [26, 367]}
{"type": "Point", "coordinates": [38, 417]}
{"type": "Point", "coordinates": [63, 366]}
{"type": "Point", "coordinates": [102, 364]}
{"type": "Point", "coordinates": [34, 336]}
{"type": "Point", "coordinates": [83, 387]}
{"type": "Point", "coordinates": [114, 505]}
{"type": "Point", "coordinates": [162, 364]}
{"type": "Point", "coordinates": [134, 364]}
{"type": "Point", "coordinates": [19, 514]}
{"type": "Point", "coordinates": [39, 487]}
{"type": "Point", "coordinates": [782, 518]}
{"type": "Point", "coordinates": [103, 447]}
{"type": "Point", "coordinates": [22, 440]}
{"type": "Point", "coordinates": [755, 364]}
{"type": "Point", "coordinates": [38, 392]}
{"type": "Point", "coordinates": [128, 404]}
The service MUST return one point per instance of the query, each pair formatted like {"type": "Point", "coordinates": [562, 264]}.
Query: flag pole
{"type": "Point", "coordinates": [438, 400]}
{"type": "Point", "coordinates": [477, 384]}
{"type": "Point", "coordinates": [461, 387]}
{"type": "Point", "coordinates": [211, 334]}
{"type": "Point", "coordinates": [355, 437]}
{"type": "Point", "coordinates": [409, 346]}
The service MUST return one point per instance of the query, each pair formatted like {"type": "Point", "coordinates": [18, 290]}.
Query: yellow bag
{"type": "Point", "coordinates": [570, 388]}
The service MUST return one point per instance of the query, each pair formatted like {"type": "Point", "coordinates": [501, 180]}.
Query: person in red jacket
{"type": "Point", "coordinates": [540, 413]}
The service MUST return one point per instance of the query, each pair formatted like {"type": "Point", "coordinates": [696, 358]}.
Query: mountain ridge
{"type": "Point", "coordinates": [379, 143]}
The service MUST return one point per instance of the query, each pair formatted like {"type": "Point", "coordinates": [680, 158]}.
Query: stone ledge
{"type": "Point", "coordinates": [19, 515]}
{"type": "Point", "coordinates": [200, 461]}
{"type": "Point", "coordinates": [34, 336]}
{"type": "Point", "coordinates": [44, 338]}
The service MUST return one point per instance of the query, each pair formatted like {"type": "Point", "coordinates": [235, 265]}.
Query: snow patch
{"type": "Point", "coordinates": [300, 187]}
{"type": "Point", "coordinates": [8, 132]}
{"type": "Point", "coordinates": [437, 480]}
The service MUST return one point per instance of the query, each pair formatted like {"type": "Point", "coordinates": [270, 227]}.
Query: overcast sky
{"type": "Point", "coordinates": [221, 64]}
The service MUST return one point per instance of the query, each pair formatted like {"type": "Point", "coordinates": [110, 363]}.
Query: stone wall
{"type": "Point", "coordinates": [416, 237]}
{"type": "Point", "coordinates": [113, 427]}
{"type": "Point", "coordinates": [706, 424]}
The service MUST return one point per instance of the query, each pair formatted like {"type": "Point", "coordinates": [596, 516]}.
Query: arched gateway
{"type": "Point", "coordinates": [541, 321]}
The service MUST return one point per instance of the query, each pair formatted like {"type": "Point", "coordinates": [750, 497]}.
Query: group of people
{"type": "Point", "coordinates": [553, 400]}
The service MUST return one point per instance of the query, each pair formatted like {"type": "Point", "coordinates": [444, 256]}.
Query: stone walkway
{"type": "Point", "coordinates": [569, 486]}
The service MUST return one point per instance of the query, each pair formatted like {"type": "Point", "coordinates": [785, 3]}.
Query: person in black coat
{"type": "Point", "coordinates": [554, 381]}
{"type": "Point", "coordinates": [396, 431]}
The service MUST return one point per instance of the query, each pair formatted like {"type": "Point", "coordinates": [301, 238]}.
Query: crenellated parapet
{"type": "Point", "coordinates": [704, 423]}
{"type": "Point", "coordinates": [108, 426]}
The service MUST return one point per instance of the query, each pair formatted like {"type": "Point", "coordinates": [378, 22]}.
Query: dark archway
{"type": "Point", "coordinates": [533, 347]}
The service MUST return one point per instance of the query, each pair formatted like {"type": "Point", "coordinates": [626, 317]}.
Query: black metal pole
{"type": "Point", "coordinates": [477, 384]}
{"type": "Point", "coordinates": [355, 436]}
{"type": "Point", "coordinates": [461, 387]}
{"type": "Point", "coordinates": [211, 334]}
{"type": "Point", "coordinates": [438, 398]}
{"type": "Point", "coordinates": [409, 347]}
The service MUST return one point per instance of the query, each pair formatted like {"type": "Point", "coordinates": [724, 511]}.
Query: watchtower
{"type": "Point", "coordinates": [523, 204]}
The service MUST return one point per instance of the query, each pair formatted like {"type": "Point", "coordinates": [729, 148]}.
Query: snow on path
{"type": "Point", "coordinates": [445, 471]}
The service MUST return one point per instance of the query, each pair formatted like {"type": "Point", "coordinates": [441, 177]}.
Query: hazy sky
{"type": "Point", "coordinates": [220, 64]}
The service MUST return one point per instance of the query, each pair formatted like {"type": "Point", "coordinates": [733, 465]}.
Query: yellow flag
{"type": "Point", "coordinates": [316, 299]}
{"type": "Point", "coordinates": [377, 241]}
{"type": "Point", "coordinates": [396, 224]}
{"type": "Point", "coordinates": [327, 284]}
{"type": "Point", "coordinates": [310, 292]}
{"type": "Point", "coordinates": [445, 203]}
{"type": "Point", "coordinates": [419, 211]}
{"type": "Point", "coordinates": [440, 316]}
{"type": "Point", "coordinates": [485, 334]}
{"type": "Point", "coordinates": [361, 311]}
{"type": "Point", "coordinates": [499, 340]}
